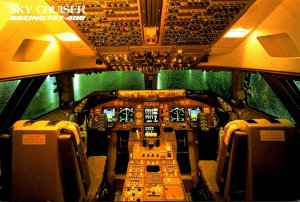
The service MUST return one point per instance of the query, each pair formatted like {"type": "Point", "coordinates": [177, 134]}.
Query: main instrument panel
{"type": "Point", "coordinates": [181, 114]}
{"type": "Point", "coordinates": [140, 107]}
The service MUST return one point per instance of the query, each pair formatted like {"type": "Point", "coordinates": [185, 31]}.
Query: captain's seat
{"type": "Point", "coordinates": [257, 161]}
{"type": "Point", "coordinates": [49, 163]}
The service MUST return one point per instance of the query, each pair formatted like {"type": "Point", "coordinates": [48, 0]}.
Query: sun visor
{"type": "Point", "coordinates": [279, 45]}
{"type": "Point", "coordinates": [30, 50]}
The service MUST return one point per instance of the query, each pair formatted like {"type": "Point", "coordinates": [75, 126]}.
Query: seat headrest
{"type": "Point", "coordinates": [26, 125]}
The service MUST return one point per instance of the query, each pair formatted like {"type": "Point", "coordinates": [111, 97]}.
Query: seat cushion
{"type": "Point", "coordinates": [96, 167]}
{"type": "Point", "coordinates": [208, 171]}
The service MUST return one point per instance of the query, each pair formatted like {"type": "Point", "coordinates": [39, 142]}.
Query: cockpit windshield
{"type": "Point", "coordinates": [297, 84]}
{"type": "Point", "coordinates": [45, 100]}
{"type": "Point", "coordinates": [84, 84]}
{"type": "Point", "coordinates": [263, 98]}
{"type": "Point", "coordinates": [7, 88]}
{"type": "Point", "coordinates": [217, 81]}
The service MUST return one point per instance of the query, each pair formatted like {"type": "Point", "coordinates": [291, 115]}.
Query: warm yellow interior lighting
{"type": "Point", "coordinates": [237, 33]}
{"type": "Point", "coordinates": [68, 36]}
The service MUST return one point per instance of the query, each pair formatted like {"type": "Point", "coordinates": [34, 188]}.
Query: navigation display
{"type": "Point", "coordinates": [193, 113]}
{"type": "Point", "coordinates": [110, 114]}
{"type": "Point", "coordinates": [126, 114]}
{"type": "Point", "coordinates": [177, 114]}
{"type": "Point", "coordinates": [151, 115]}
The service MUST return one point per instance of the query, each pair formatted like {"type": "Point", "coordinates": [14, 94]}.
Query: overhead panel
{"type": "Point", "coordinates": [149, 35]}
{"type": "Point", "coordinates": [151, 11]}
{"type": "Point", "coordinates": [109, 22]}
{"type": "Point", "coordinates": [199, 22]}
{"type": "Point", "coordinates": [151, 58]}
{"type": "Point", "coordinates": [116, 59]}
{"type": "Point", "coordinates": [151, 17]}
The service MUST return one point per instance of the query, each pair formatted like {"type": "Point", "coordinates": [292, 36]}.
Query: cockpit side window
{"type": "Point", "coordinates": [45, 100]}
{"type": "Point", "coordinates": [85, 84]}
{"type": "Point", "coordinates": [217, 81]}
{"type": "Point", "coordinates": [7, 88]}
{"type": "Point", "coordinates": [264, 99]}
{"type": "Point", "coordinates": [297, 84]}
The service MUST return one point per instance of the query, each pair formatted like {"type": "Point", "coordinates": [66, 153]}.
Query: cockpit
{"type": "Point", "coordinates": [158, 143]}
{"type": "Point", "coordinates": [149, 100]}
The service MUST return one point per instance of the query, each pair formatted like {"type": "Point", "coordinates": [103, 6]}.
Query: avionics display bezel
{"type": "Point", "coordinates": [120, 115]}
{"type": "Point", "coordinates": [149, 129]}
{"type": "Point", "coordinates": [151, 120]}
{"type": "Point", "coordinates": [182, 110]}
{"type": "Point", "coordinates": [190, 109]}
{"type": "Point", "coordinates": [113, 117]}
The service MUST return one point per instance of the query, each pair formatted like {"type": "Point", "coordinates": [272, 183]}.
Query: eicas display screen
{"type": "Point", "coordinates": [177, 114]}
{"type": "Point", "coordinates": [151, 115]}
{"type": "Point", "coordinates": [193, 113]}
{"type": "Point", "coordinates": [126, 114]}
{"type": "Point", "coordinates": [151, 131]}
{"type": "Point", "coordinates": [110, 114]}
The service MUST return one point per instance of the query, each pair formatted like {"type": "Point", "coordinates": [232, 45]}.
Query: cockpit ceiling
{"type": "Point", "coordinates": [149, 35]}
